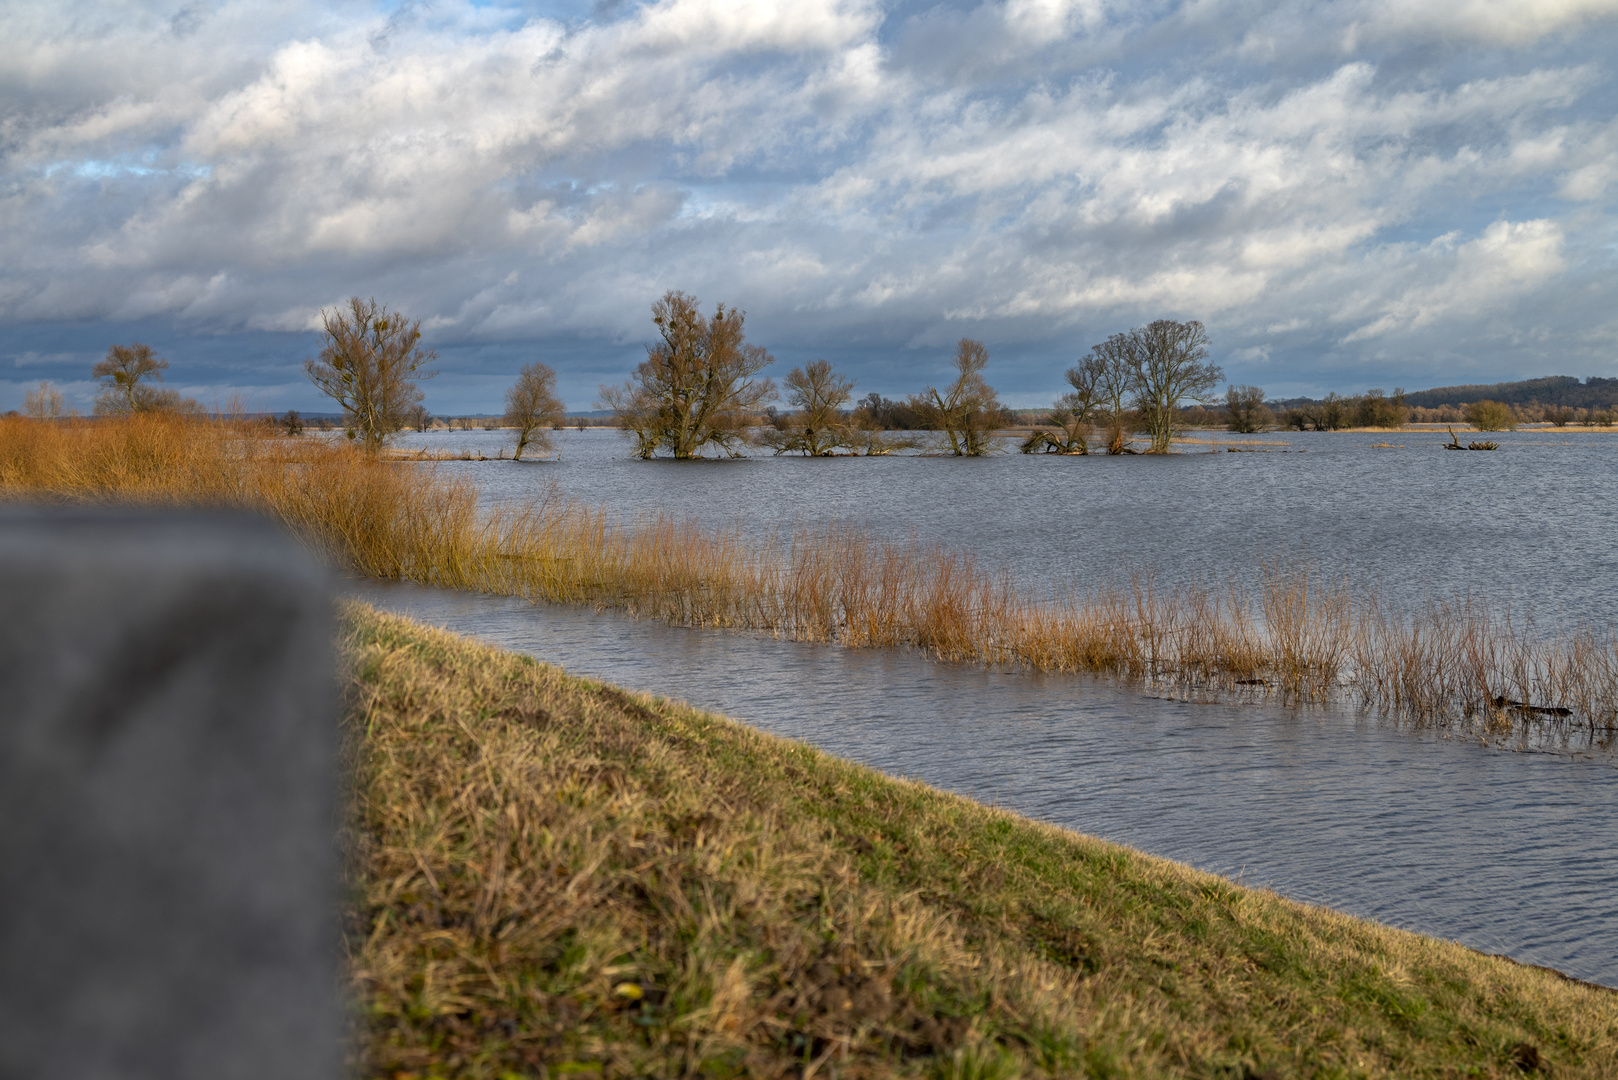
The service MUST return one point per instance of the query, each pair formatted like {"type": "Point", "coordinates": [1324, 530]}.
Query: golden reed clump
{"type": "Point", "coordinates": [1299, 635]}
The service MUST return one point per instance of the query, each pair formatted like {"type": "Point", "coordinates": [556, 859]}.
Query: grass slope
{"type": "Point", "coordinates": [552, 876]}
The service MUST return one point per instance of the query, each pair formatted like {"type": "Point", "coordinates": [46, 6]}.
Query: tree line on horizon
{"type": "Point", "coordinates": [701, 387]}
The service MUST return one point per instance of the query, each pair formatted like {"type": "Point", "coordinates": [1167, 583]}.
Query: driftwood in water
{"type": "Point", "coordinates": [1051, 442]}
{"type": "Point", "coordinates": [1455, 443]}
{"type": "Point", "coordinates": [1504, 703]}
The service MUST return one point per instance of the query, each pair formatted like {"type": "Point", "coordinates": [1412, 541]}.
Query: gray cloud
{"type": "Point", "coordinates": [1347, 193]}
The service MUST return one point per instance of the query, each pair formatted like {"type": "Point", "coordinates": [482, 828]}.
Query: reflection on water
{"type": "Point", "coordinates": [1515, 853]}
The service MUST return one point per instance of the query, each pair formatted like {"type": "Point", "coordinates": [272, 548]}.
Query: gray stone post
{"type": "Point", "coordinates": [168, 809]}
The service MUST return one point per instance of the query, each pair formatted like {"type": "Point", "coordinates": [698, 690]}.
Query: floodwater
{"type": "Point", "coordinates": [1505, 850]}
{"type": "Point", "coordinates": [1533, 525]}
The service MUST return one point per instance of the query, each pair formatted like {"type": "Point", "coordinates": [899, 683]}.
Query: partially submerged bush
{"type": "Point", "coordinates": [1491, 416]}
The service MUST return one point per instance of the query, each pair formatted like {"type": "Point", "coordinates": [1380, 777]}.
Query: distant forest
{"type": "Point", "coordinates": [1564, 391]}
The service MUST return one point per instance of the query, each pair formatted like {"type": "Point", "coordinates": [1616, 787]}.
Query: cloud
{"type": "Point", "coordinates": [1508, 260]}
{"type": "Point", "coordinates": [1315, 181]}
{"type": "Point", "coordinates": [1508, 22]}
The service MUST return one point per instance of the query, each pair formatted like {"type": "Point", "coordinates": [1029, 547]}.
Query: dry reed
{"type": "Point", "coordinates": [1298, 634]}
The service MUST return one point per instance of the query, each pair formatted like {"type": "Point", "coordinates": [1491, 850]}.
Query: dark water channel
{"type": "Point", "coordinates": [1508, 852]}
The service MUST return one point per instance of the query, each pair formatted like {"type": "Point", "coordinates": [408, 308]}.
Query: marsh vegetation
{"type": "Point", "coordinates": [1296, 633]}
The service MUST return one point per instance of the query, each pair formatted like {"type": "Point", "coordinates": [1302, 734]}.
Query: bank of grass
{"type": "Point", "coordinates": [1298, 634]}
{"type": "Point", "coordinates": [552, 876]}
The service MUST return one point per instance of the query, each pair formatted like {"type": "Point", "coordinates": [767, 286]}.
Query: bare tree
{"type": "Point", "coordinates": [418, 417]}
{"type": "Point", "coordinates": [1170, 363]}
{"type": "Point", "coordinates": [533, 408]}
{"type": "Point", "coordinates": [45, 403]}
{"type": "Point", "coordinates": [370, 363]}
{"type": "Point", "coordinates": [1071, 413]}
{"type": "Point", "coordinates": [966, 411]}
{"type": "Point", "coordinates": [126, 377]}
{"type": "Point", "coordinates": [292, 423]}
{"type": "Point", "coordinates": [817, 425]}
{"type": "Point", "coordinates": [1245, 410]}
{"type": "Point", "coordinates": [698, 385]}
{"type": "Point", "coordinates": [1112, 373]}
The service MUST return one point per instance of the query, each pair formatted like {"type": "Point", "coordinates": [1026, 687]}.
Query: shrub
{"type": "Point", "coordinates": [1491, 416]}
{"type": "Point", "coordinates": [44, 403]}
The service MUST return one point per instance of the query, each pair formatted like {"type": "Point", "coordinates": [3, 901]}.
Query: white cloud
{"type": "Point", "coordinates": [1509, 22]}
{"type": "Point", "coordinates": [1508, 261]}
{"type": "Point", "coordinates": [1259, 166]}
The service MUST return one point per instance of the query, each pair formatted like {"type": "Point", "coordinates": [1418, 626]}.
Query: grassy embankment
{"type": "Point", "coordinates": [552, 876]}
{"type": "Point", "coordinates": [1298, 634]}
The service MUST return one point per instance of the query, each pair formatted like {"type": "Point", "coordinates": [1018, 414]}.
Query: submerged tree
{"type": "Point", "coordinates": [1071, 413]}
{"type": "Point", "coordinates": [1109, 366]}
{"type": "Point", "coordinates": [418, 417]}
{"type": "Point", "coordinates": [1169, 361]}
{"type": "Point", "coordinates": [370, 363]}
{"type": "Point", "coordinates": [1245, 411]}
{"type": "Point", "coordinates": [967, 410]}
{"type": "Point", "coordinates": [533, 408]}
{"type": "Point", "coordinates": [817, 424]}
{"type": "Point", "coordinates": [126, 375]}
{"type": "Point", "coordinates": [698, 385]}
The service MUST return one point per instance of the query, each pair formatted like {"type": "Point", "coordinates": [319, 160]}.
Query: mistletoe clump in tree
{"type": "Point", "coordinates": [697, 387]}
{"type": "Point", "coordinates": [370, 363]}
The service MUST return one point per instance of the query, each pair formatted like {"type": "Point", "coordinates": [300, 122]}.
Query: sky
{"type": "Point", "coordinates": [1348, 194]}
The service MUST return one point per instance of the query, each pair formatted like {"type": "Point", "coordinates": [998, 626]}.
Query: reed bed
{"type": "Point", "coordinates": [1296, 634]}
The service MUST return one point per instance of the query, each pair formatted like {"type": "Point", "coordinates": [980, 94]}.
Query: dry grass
{"type": "Point", "coordinates": [1230, 442]}
{"type": "Point", "coordinates": [1296, 634]}
{"type": "Point", "coordinates": [553, 876]}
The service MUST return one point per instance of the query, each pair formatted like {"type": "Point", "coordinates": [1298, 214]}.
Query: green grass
{"type": "Point", "coordinates": [551, 876]}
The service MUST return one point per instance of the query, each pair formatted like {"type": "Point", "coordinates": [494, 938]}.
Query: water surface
{"type": "Point", "coordinates": [1531, 525]}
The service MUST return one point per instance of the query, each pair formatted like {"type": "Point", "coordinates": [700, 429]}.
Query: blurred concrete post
{"type": "Point", "coordinates": [168, 873]}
